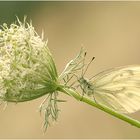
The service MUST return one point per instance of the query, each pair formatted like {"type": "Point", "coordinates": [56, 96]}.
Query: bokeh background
{"type": "Point", "coordinates": [110, 31]}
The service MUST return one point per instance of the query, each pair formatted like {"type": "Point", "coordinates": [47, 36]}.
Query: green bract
{"type": "Point", "coordinates": [27, 69]}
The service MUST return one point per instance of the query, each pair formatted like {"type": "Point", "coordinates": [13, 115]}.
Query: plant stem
{"type": "Point", "coordinates": [79, 97]}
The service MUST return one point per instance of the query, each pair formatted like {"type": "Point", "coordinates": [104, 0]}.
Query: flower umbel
{"type": "Point", "coordinates": [27, 69]}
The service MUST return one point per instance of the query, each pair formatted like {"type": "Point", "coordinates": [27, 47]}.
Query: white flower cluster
{"type": "Point", "coordinates": [27, 69]}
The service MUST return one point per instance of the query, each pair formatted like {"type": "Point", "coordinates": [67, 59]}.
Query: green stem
{"type": "Point", "coordinates": [101, 107]}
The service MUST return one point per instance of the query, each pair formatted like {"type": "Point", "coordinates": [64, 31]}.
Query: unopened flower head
{"type": "Point", "coordinates": [27, 69]}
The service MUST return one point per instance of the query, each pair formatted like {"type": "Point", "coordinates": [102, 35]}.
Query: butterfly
{"type": "Point", "coordinates": [117, 88]}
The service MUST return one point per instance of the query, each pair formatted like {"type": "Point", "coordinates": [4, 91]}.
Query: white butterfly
{"type": "Point", "coordinates": [117, 88]}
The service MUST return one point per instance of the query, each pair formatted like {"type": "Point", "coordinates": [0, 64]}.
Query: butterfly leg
{"type": "Point", "coordinates": [82, 96]}
{"type": "Point", "coordinates": [92, 93]}
{"type": "Point", "coordinates": [94, 97]}
{"type": "Point", "coordinates": [83, 92]}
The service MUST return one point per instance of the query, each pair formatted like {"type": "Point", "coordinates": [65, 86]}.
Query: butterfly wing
{"type": "Point", "coordinates": [119, 88]}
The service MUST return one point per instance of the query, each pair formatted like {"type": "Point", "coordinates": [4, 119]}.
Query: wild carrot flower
{"type": "Point", "coordinates": [27, 69]}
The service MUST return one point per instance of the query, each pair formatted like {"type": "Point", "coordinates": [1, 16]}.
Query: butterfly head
{"type": "Point", "coordinates": [82, 80]}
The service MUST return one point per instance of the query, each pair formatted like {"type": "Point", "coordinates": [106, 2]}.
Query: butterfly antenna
{"type": "Point", "coordinates": [83, 64]}
{"type": "Point", "coordinates": [88, 65]}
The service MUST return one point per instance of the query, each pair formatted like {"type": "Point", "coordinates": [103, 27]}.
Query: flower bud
{"type": "Point", "coordinates": [27, 69]}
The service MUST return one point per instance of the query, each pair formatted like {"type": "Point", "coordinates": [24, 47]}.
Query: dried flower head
{"type": "Point", "coordinates": [27, 69]}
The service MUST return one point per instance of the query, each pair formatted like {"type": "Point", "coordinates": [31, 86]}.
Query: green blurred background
{"type": "Point", "coordinates": [110, 31]}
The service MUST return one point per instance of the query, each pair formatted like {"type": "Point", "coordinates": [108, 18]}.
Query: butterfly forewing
{"type": "Point", "coordinates": [119, 88]}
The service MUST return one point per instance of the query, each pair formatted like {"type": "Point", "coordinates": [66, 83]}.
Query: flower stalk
{"type": "Point", "coordinates": [89, 101]}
